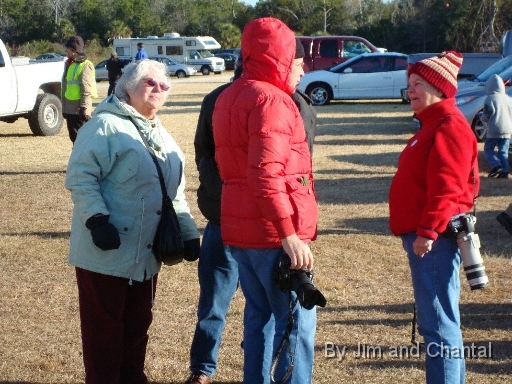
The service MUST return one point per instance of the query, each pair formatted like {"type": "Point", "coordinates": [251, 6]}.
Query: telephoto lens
{"type": "Point", "coordinates": [469, 246]}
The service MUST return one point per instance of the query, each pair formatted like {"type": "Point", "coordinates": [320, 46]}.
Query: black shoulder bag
{"type": "Point", "coordinates": [168, 246]}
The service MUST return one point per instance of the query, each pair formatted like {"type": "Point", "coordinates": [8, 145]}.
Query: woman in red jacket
{"type": "Point", "coordinates": [437, 178]}
{"type": "Point", "coordinates": [268, 204]}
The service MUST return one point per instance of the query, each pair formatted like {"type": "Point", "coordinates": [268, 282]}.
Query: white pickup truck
{"type": "Point", "coordinates": [32, 91]}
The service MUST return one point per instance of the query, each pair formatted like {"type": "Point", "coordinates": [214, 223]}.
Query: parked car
{"type": "Point", "coordinates": [470, 101]}
{"type": "Point", "coordinates": [503, 68]}
{"type": "Point", "coordinates": [471, 94]}
{"type": "Point", "coordinates": [368, 76]}
{"type": "Point", "coordinates": [474, 65]}
{"type": "Point", "coordinates": [174, 68]}
{"type": "Point", "coordinates": [324, 52]}
{"type": "Point", "coordinates": [229, 59]}
{"type": "Point", "coordinates": [100, 69]}
{"type": "Point", "coordinates": [50, 57]}
{"type": "Point", "coordinates": [234, 51]}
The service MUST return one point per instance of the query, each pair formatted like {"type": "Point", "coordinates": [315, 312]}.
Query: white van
{"type": "Point", "coordinates": [193, 51]}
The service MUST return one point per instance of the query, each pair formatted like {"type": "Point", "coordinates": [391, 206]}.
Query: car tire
{"type": "Point", "coordinates": [479, 128]}
{"type": "Point", "coordinates": [205, 70]}
{"type": "Point", "coordinates": [181, 74]}
{"type": "Point", "coordinates": [46, 117]}
{"type": "Point", "coordinates": [319, 93]}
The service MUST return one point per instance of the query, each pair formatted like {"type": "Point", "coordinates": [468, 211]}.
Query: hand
{"type": "Point", "coordinates": [298, 251]}
{"type": "Point", "coordinates": [82, 112]}
{"type": "Point", "coordinates": [104, 234]}
{"type": "Point", "coordinates": [192, 250]}
{"type": "Point", "coordinates": [422, 246]}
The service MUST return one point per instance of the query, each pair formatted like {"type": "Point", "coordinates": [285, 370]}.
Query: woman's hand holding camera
{"type": "Point", "coordinates": [298, 251]}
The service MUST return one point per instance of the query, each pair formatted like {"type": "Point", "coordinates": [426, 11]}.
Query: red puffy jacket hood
{"type": "Point", "coordinates": [268, 50]}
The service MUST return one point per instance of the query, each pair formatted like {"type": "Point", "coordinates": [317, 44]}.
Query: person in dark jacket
{"type": "Point", "coordinates": [115, 70]}
{"type": "Point", "coordinates": [217, 269]}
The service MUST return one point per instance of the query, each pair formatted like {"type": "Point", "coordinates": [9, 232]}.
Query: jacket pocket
{"type": "Point", "coordinates": [122, 222]}
{"type": "Point", "coordinates": [302, 199]}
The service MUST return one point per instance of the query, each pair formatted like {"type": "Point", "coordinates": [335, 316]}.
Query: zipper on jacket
{"type": "Point", "coordinates": [140, 232]}
{"type": "Point", "coordinates": [152, 296]}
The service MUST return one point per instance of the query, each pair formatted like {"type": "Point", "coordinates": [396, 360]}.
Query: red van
{"type": "Point", "coordinates": [324, 52]}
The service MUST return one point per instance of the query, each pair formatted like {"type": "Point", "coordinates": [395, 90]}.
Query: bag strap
{"type": "Point", "coordinates": [166, 200]}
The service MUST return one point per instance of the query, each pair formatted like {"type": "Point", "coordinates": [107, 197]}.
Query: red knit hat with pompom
{"type": "Point", "coordinates": [441, 71]}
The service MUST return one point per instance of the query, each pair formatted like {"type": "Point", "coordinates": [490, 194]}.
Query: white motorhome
{"type": "Point", "coordinates": [193, 51]}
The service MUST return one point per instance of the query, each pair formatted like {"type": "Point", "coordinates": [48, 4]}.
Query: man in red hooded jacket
{"type": "Point", "coordinates": [268, 204]}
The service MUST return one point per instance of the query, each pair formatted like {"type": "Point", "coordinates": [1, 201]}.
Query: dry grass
{"type": "Point", "coordinates": [361, 268]}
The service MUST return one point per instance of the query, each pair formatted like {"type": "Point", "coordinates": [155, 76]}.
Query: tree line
{"type": "Point", "coordinates": [406, 26]}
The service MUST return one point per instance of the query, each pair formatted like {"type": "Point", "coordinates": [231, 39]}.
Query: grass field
{"type": "Point", "coordinates": [360, 267]}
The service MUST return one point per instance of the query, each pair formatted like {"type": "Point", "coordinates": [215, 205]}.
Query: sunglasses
{"type": "Point", "coordinates": [153, 83]}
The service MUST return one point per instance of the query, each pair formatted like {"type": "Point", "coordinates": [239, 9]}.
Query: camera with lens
{"type": "Point", "coordinates": [299, 281]}
{"type": "Point", "coordinates": [463, 227]}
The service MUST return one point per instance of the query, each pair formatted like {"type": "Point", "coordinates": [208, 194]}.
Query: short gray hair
{"type": "Point", "coordinates": [133, 73]}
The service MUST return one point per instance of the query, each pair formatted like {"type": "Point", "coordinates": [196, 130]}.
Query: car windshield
{"type": "Point", "coordinates": [205, 53]}
{"type": "Point", "coordinates": [340, 67]}
{"type": "Point", "coordinates": [496, 68]}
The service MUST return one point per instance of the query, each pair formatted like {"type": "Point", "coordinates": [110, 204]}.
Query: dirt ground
{"type": "Point", "coordinates": [360, 267]}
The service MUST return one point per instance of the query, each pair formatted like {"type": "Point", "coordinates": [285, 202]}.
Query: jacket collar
{"type": "Point", "coordinates": [435, 111]}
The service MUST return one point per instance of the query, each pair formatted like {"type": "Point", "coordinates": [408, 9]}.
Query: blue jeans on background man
{"type": "Point", "coordinates": [218, 280]}
{"type": "Point", "coordinates": [436, 284]}
{"type": "Point", "coordinates": [266, 318]}
{"type": "Point", "coordinates": [501, 158]}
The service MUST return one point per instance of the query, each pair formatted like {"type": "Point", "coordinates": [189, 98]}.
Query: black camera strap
{"type": "Point", "coordinates": [474, 191]}
{"type": "Point", "coordinates": [285, 342]}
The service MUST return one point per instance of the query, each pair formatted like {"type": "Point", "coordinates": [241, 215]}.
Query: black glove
{"type": "Point", "coordinates": [83, 115]}
{"type": "Point", "coordinates": [104, 234]}
{"type": "Point", "coordinates": [191, 250]}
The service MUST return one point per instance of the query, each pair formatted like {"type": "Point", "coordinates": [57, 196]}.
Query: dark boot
{"type": "Point", "coordinates": [198, 378]}
{"type": "Point", "coordinates": [495, 171]}
{"type": "Point", "coordinates": [505, 220]}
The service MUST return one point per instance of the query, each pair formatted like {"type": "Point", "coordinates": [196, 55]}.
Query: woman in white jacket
{"type": "Point", "coordinates": [117, 202]}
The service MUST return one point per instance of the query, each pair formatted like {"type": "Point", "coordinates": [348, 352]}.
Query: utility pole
{"type": "Point", "coordinates": [326, 15]}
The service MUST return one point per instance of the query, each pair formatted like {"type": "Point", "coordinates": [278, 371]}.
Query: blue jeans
{"type": "Point", "coordinates": [266, 315]}
{"type": "Point", "coordinates": [218, 281]}
{"type": "Point", "coordinates": [436, 284]}
{"type": "Point", "coordinates": [500, 159]}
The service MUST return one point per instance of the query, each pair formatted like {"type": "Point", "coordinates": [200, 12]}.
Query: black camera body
{"type": "Point", "coordinates": [299, 281]}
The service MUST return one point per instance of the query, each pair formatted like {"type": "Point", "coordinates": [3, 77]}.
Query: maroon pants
{"type": "Point", "coordinates": [115, 316]}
